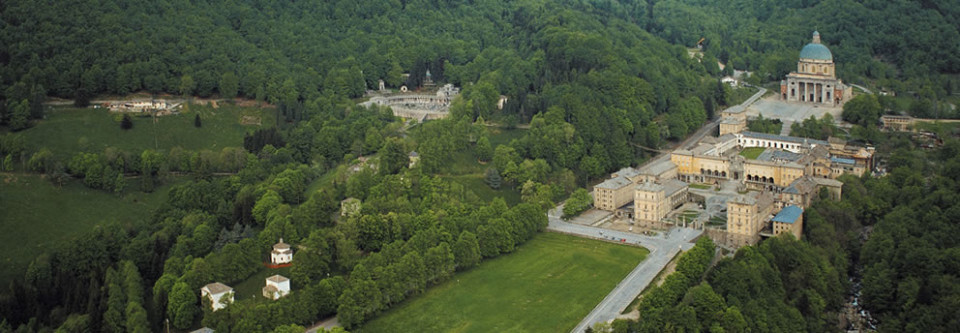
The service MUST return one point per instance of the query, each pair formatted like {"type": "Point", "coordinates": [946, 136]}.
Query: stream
{"type": "Point", "coordinates": [854, 317]}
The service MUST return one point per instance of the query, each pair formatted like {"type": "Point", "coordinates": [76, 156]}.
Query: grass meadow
{"type": "Point", "coordinates": [548, 285]}
{"type": "Point", "coordinates": [66, 131]}
{"type": "Point", "coordinates": [37, 215]}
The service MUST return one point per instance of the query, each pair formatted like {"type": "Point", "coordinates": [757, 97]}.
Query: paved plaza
{"type": "Point", "coordinates": [771, 107]}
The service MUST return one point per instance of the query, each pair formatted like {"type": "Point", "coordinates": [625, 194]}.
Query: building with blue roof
{"type": "Point", "coordinates": [815, 80]}
{"type": "Point", "coordinates": [788, 220]}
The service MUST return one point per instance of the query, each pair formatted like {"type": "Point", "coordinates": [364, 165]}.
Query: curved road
{"type": "Point", "coordinates": [662, 249]}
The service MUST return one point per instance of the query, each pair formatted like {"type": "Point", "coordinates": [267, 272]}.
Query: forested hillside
{"type": "Point", "coordinates": [593, 79]}
{"type": "Point", "coordinates": [886, 41]}
{"type": "Point", "coordinates": [604, 75]}
{"type": "Point", "coordinates": [588, 84]}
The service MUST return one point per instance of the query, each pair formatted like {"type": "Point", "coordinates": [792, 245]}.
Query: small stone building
{"type": "Point", "coordinates": [218, 294]}
{"type": "Point", "coordinates": [276, 287]}
{"type": "Point", "coordinates": [281, 254]}
{"type": "Point", "coordinates": [414, 159]}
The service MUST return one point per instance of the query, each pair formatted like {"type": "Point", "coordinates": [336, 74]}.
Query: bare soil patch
{"type": "Point", "coordinates": [250, 120]}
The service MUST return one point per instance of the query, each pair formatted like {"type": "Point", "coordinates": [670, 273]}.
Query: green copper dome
{"type": "Point", "coordinates": [815, 50]}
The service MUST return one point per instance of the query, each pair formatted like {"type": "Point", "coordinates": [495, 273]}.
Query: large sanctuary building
{"type": "Point", "coordinates": [790, 172]}
{"type": "Point", "coordinates": [815, 80]}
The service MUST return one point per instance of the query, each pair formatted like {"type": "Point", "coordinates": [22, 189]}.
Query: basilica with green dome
{"type": "Point", "coordinates": [815, 80]}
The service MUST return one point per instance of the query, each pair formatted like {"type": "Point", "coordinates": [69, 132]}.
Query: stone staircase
{"type": "Point", "coordinates": [785, 130]}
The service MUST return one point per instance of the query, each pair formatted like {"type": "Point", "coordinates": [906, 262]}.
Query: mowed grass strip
{"type": "Point", "coordinates": [548, 285]}
{"type": "Point", "coordinates": [69, 130]}
{"type": "Point", "coordinates": [36, 215]}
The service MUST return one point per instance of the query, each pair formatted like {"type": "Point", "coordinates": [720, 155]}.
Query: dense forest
{"type": "Point", "coordinates": [559, 67]}
{"type": "Point", "coordinates": [593, 79]}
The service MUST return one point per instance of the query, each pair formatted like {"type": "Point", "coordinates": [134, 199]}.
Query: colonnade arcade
{"type": "Point", "coordinates": [812, 91]}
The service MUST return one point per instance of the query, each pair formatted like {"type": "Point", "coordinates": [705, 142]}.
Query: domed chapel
{"type": "Point", "coordinates": [815, 80]}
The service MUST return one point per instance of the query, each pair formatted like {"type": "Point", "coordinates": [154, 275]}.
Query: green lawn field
{"type": "Point", "coordinates": [548, 285]}
{"type": "Point", "coordinates": [701, 186]}
{"type": "Point", "coordinates": [36, 215]}
{"type": "Point", "coordinates": [752, 153]}
{"type": "Point", "coordinates": [66, 131]}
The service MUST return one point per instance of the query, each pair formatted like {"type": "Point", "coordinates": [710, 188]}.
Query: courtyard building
{"type": "Point", "coordinates": [652, 201]}
{"type": "Point", "coordinates": [746, 216]}
{"type": "Point", "coordinates": [613, 193]}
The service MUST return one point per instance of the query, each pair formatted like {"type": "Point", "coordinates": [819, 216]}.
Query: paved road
{"type": "Point", "coordinates": [662, 249]}
{"type": "Point", "coordinates": [862, 88]}
{"type": "Point", "coordinates": [755, 97]}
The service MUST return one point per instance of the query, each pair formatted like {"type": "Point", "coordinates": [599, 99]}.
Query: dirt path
{"type": "Point", "coordinates": [326, 323]}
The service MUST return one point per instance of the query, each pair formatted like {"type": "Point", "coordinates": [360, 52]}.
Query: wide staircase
{"type": "Point", "coordinates": [785, 130]}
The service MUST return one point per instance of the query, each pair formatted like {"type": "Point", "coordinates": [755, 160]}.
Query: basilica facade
{"type": "Point", "coordinates": [815, 80]}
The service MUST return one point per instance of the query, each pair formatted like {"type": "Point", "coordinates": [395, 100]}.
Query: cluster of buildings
{"type": "Point", "coordinates": [789, 172]}
{"type": "Point", "coordinates": [275, 287]}
{"type": "Point", "coordinates": [775, 176]}
{"type": "Point", "coordinates": [416, 105]}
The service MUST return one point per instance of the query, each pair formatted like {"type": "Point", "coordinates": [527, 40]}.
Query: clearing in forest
{"type": "Point", "coordinates": [548, 285]}
{"type": "Point", "coordinates": [37, 215]}
{"type": "Point", "coordinates": [66, 131]}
